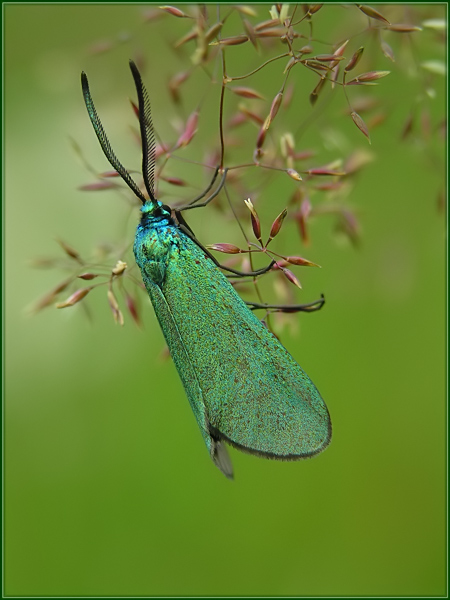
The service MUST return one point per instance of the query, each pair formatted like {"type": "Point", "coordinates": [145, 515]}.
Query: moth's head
{"type": "Point", "coordinates": [156, 210]}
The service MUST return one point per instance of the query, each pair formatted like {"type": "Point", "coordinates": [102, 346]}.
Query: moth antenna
{"type": "Point", "coordinates": [104, 142]}
{"type": "Point", "coordinates": [147, 133]}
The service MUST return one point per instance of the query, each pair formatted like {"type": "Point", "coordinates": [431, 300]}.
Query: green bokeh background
{"type": "Point", "coordinates": [109, 489]}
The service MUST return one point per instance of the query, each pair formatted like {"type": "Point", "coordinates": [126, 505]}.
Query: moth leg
{"type": "Point", "coordinates": [289, 308]}
{"type": "Point", "coordinates": [195, 204]}
{"type": "Point", "coordinates": [203, 194]}
{"type": "Point", "coordinates": [247, 273]}
{"type": "Point", "coordinates": [188, 231]}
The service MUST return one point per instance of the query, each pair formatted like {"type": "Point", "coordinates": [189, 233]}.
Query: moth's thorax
{"type": "Point", "coordinates": [155, 236]}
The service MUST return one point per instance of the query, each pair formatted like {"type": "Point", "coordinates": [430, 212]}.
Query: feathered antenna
{"type": "Point", "coordinates": [147, 134]}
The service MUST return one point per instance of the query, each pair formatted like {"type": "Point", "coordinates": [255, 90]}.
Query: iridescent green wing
{"type": "Point", "coordinates": [256, 395]}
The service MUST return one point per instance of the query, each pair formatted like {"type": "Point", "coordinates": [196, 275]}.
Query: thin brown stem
{"type": "Point", "coordinates": [260, 67]}
{"type": "Point", "coordinates": [222, 96]}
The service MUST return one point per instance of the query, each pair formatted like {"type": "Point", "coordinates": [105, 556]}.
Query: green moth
{"type": "Point", "coordinates": [244, 387]}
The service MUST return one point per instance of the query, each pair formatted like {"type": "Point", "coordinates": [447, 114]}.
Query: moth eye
{"type": "Point", "coordinates": [165, 208]}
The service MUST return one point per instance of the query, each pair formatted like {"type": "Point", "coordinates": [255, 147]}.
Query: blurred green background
{"type": "Point", "coordinates": [109, 489]}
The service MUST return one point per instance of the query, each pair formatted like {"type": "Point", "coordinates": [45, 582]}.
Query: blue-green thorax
{"type": "Point", "coordinates": [156, 234]}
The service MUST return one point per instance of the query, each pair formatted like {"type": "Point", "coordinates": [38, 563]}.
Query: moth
{"type": "Point", "coordinates": [244, 387]}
